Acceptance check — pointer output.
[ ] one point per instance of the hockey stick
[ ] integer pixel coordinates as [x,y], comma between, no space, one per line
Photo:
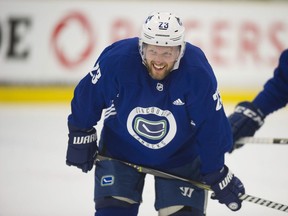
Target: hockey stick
[262,140]
[158,173]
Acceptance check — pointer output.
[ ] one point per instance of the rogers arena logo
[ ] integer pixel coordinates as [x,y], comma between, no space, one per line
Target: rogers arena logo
[151,126]
[63,50]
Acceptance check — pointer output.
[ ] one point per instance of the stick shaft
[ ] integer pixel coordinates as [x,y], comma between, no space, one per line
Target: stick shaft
[264,202]
[262,140]
[158,173]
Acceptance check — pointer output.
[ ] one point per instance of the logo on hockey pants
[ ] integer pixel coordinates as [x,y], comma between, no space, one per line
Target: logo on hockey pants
[107,180]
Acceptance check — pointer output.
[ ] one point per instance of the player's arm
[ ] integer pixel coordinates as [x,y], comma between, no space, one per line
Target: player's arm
[214,138]
[217,139]
[82,142]
[248,117]
[275,92]
[91,96]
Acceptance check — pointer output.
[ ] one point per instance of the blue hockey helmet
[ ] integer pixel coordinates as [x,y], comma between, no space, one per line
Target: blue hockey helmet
[163,29]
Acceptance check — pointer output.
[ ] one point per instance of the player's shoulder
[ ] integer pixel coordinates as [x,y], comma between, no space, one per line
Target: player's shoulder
[193,51]
[195,62]
[120,54]
[283,66]
[284,56]
[122,47]
[195,71]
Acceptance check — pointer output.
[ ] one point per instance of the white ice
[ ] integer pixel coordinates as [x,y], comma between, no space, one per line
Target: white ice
[34,180]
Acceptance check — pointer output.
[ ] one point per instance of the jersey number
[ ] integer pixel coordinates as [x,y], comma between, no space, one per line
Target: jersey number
[217,98]
[95,76]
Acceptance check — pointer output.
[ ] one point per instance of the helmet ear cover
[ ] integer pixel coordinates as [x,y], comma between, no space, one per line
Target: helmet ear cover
[162,29]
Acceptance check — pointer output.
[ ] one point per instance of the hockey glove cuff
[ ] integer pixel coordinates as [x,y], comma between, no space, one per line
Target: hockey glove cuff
[227,188]
[82,149]
[245,121]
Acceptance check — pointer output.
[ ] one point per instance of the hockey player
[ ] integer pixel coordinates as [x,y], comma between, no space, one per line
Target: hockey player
[162,110]
[248,117]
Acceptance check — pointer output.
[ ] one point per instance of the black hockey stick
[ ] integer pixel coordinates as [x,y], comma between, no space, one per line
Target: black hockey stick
[158,173]
[262,140]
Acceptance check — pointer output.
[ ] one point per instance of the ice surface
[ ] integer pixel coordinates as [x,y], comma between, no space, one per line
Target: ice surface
[34,180]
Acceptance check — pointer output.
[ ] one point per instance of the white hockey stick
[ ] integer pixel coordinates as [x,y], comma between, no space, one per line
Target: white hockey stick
[158,173]
[262,140]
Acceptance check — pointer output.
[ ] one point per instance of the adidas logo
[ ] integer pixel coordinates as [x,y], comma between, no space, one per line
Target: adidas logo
[178,102]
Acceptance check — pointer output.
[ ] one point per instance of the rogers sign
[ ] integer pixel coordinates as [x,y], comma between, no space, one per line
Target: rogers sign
[74,39]
[245,41]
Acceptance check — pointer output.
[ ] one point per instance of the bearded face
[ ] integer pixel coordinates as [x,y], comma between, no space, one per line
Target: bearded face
[160,60]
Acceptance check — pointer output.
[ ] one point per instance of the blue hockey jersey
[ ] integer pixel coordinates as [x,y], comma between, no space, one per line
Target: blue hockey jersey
[159,124]
[275,93]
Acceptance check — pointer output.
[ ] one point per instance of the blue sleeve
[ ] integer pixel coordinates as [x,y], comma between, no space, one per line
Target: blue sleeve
[93,94]
[214,136]
[275,92]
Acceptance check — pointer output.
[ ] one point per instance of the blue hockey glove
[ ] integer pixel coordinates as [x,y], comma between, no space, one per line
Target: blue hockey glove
[245,121]
[82,148]
[226,187]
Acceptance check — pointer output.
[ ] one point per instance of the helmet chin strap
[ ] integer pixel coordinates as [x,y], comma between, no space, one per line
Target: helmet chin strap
[182,50]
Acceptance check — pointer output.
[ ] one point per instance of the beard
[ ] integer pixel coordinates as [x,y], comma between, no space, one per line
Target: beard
[158,73]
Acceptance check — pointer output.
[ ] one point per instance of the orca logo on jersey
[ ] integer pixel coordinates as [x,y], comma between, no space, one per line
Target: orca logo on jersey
[152,130]
[152,126]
